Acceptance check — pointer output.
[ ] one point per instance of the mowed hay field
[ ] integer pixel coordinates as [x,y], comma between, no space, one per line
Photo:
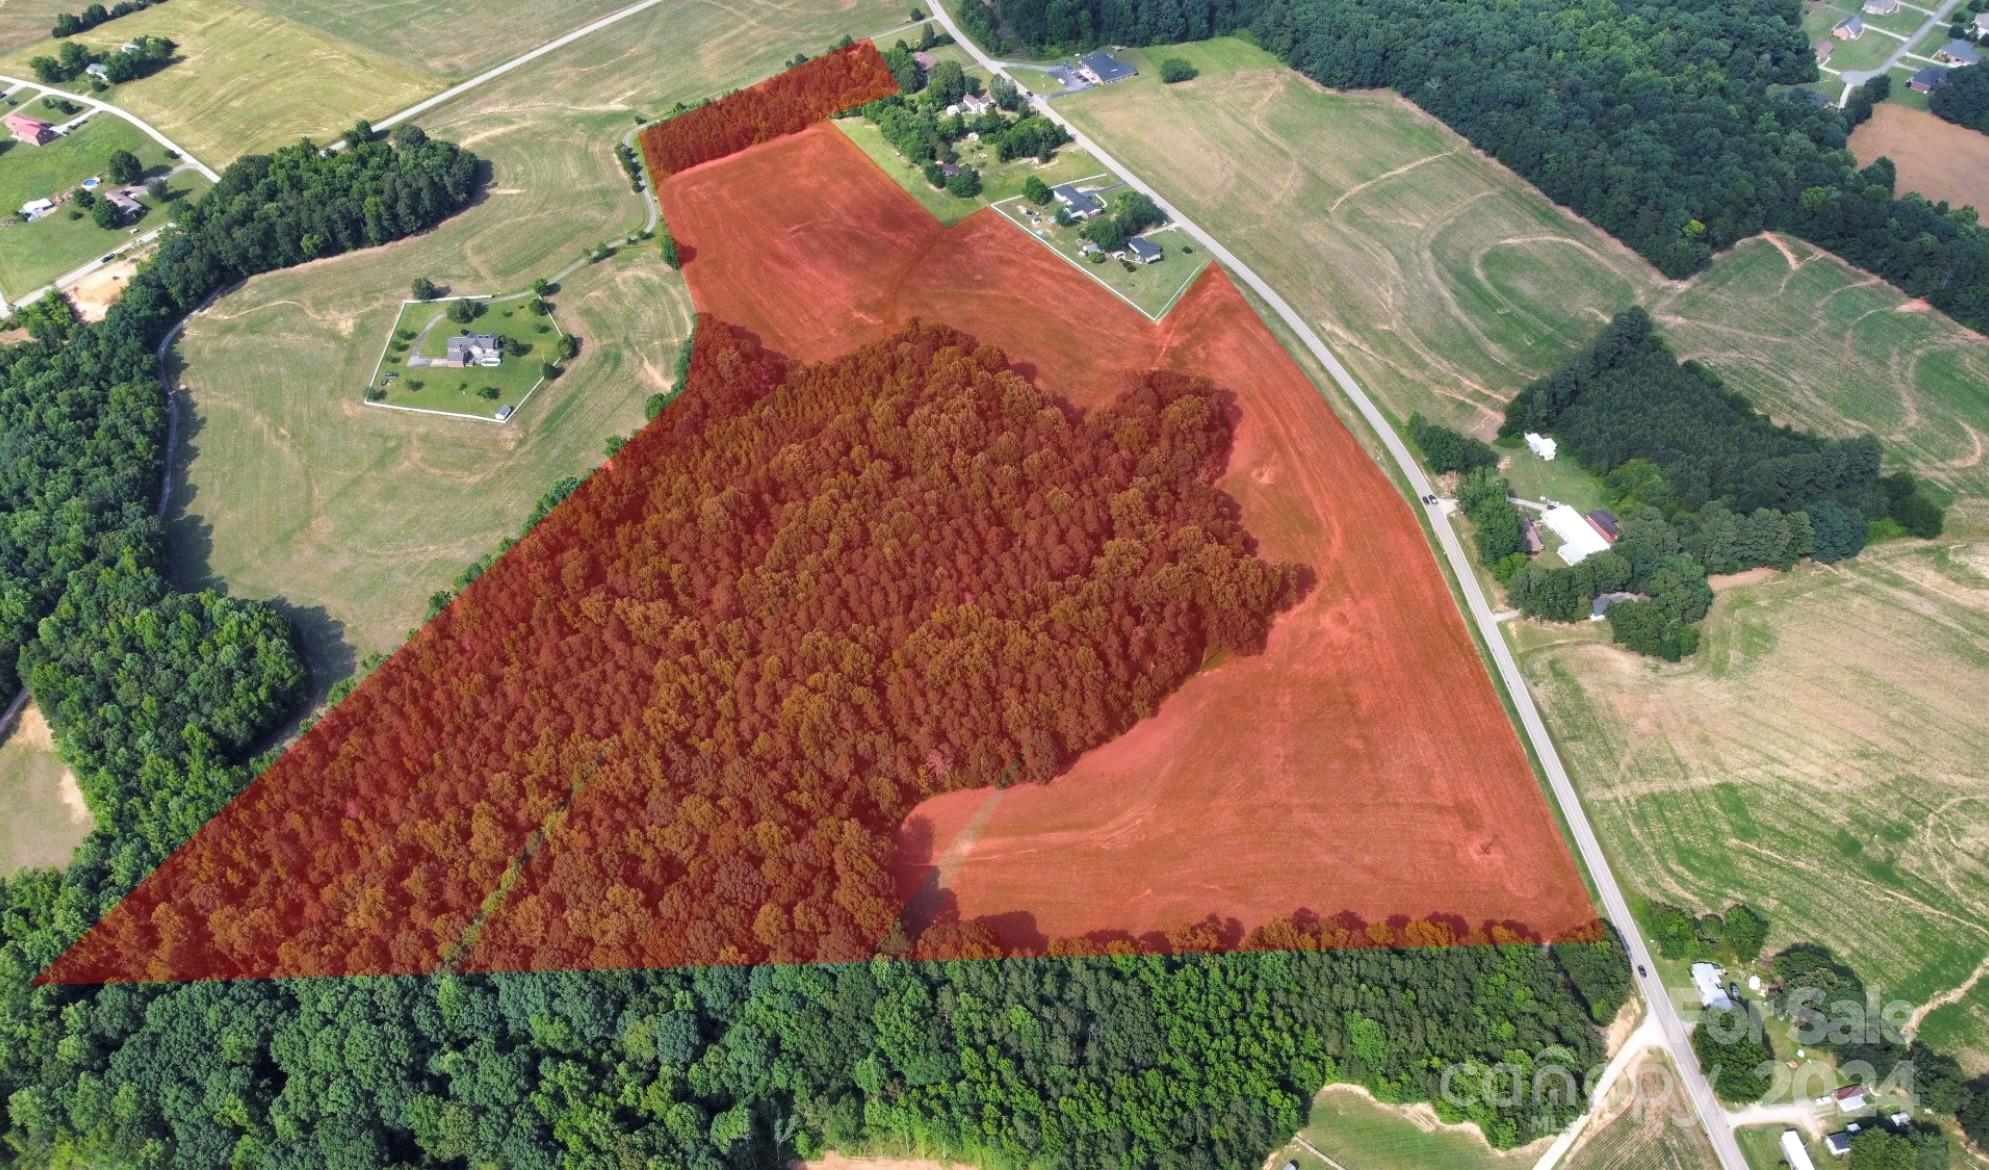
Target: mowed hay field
[1821,345]
[451,38]
[244,80]
[1646,1123]
[1822,757]
[1938,159]
[1443,281]
[1359,1133]
[1377,197]
[26,22]
[287,489]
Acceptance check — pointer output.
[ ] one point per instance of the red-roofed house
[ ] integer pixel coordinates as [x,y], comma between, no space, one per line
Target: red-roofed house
[32,131]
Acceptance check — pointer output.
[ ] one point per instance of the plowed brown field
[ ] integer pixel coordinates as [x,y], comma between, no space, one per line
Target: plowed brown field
[1362,764]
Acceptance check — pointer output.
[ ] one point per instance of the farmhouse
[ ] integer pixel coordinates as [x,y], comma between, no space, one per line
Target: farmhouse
[1707,978]
[32,131]
[1850,1098]
[1579,539]
[1881,7]
[1144,251]
[1081,204]
[1102,68]
[1928,80]
[976,103]
[1605,523]
[128,208]
[1793,1152]
[1541,445]
[1958,52]
[474,349]
[1849,29]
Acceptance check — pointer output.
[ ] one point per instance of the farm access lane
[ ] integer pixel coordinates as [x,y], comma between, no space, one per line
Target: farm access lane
[1712,1116]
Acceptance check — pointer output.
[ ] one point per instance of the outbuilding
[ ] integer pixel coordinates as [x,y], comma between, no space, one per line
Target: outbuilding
[1541,445]
[1579,539]
[1793,1152]
[1605,523]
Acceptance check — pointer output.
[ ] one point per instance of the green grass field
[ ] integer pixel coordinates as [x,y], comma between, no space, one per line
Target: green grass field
[999,180]
[1441,279]
[349,517]
[1820,758]
[1152,288]
[32,254]
[422,331]
[44,819]
[1562,480]
[1360,1134]
[245,80]
[451,38]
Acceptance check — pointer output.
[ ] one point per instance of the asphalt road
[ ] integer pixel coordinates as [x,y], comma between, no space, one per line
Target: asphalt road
[1712,1116]
[1861,76]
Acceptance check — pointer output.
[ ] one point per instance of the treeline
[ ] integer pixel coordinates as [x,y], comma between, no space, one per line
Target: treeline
[1661,121]
[80,405]
[1964,99]
[786,103]
[1701,482]
[69,24]
[147,55]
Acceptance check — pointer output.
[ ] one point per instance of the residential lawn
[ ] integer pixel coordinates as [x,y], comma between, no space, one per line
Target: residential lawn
[1867,51]
[39,827]
[289,488]
[1534,478]
[423,330]
[247,80]
[1360,1134]
[1151,288]
[1903,93]
[1935,38]
[999,180]
[32,254]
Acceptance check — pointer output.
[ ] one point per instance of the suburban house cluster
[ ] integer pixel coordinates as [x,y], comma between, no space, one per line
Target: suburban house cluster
[1958,51]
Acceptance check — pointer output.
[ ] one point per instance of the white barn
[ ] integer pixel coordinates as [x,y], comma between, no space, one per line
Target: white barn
[1579,539]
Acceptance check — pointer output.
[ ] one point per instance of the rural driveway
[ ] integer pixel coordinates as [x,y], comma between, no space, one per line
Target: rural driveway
[1711,1115]
[150,131]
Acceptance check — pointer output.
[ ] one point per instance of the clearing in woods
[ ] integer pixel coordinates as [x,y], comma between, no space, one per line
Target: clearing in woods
[289,489]
[1393,235]
[1360,1133]
[245,80]
[45,815]
[1938,159]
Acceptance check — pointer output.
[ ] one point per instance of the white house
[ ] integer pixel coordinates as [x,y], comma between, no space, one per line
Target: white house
[1579,539]
[1541,445]
[1793,1152]
[1982,24]
[1709,979]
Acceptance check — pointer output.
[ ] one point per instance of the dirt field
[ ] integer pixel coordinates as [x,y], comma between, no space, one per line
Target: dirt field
[835,1161]
[1646,1124]
[45,817]
[1940,160]
[1370,707]
[94,294]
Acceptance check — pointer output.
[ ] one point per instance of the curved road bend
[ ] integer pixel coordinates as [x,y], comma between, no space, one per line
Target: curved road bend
[1711,1114]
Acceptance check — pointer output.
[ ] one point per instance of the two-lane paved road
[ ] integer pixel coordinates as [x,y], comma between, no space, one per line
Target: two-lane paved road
[1711,1115]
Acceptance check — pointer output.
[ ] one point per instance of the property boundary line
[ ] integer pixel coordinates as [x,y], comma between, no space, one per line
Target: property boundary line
[381,362]
[996,207]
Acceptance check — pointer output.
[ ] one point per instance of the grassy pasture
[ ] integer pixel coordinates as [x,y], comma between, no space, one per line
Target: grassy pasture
[45,820]
[450,38]
[1359,1133]
[26,22]
[1821,757]
[1636,1127]
[1444,281]
[290,489]
[245,80]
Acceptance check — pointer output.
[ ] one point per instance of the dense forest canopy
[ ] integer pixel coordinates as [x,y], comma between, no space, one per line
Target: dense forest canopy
[1664,122]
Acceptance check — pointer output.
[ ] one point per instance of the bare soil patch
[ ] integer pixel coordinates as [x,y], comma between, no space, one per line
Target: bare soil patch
[1938,159]
[95,293]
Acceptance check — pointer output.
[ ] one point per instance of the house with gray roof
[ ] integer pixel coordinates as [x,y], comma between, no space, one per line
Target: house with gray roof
[474,349]
[1958,52]
[1080,204]
[1102,68]
[1928,80]
[1144,250]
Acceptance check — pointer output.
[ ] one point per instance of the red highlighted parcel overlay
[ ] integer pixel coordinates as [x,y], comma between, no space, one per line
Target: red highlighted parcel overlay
[953,610]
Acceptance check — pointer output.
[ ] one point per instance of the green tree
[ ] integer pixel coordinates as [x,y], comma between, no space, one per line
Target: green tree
[124,167]
[1733,1053]
[424,289]
[105,214]
[668,244]
[964,185]
[1177,69]
[1036,191]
